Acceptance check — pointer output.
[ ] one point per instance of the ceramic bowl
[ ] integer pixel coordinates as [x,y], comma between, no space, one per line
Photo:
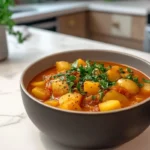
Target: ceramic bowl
[86,129]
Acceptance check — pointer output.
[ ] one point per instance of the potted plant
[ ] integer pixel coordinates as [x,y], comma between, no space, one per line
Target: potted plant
[6,22]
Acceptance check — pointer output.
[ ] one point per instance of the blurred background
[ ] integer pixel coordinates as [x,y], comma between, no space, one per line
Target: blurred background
[120,22]
[42,1]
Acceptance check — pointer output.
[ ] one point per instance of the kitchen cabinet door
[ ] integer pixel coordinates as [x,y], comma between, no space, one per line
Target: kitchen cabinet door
[73,24]
[121,25]
[99,22]
[138,27]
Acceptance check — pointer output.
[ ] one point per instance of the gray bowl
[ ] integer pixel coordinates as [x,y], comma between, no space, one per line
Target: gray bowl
[85,129]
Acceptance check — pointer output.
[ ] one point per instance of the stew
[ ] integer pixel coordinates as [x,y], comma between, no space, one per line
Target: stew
[90,86]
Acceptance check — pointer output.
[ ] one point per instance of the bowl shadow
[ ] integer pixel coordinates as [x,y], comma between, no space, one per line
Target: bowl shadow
[51,144]
[138,143]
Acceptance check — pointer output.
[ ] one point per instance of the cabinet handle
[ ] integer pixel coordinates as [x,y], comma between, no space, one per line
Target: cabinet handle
[116,25]
[71,22]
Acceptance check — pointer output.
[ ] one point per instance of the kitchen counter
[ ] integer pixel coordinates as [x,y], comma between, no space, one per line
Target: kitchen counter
[21,134]
[41,11]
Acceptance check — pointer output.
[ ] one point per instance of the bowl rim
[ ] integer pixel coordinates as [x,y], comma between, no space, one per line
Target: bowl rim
[80,112]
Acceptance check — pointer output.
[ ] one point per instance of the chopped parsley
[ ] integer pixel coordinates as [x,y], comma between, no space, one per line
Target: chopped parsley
[59,75]
[70,81]
[75,64]
[146,80]
[93,97]
[121,70]
[101,94]
[95,72]
[104,84]
[80,89]
[130,76]
[129,70]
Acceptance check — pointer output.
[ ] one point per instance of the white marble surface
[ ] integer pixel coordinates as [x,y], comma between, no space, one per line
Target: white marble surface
[23,135]
[61,8]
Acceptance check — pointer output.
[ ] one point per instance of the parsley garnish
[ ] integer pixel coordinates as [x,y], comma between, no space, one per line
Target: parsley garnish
[129,70]
[130,76]
[95,72]
[101,94]
[70,81]
[104,84]
[93,97]
[75,64]
[121,70]
[79,88]
[146,80]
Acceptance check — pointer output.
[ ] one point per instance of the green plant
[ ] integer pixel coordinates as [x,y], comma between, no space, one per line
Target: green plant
[6,19]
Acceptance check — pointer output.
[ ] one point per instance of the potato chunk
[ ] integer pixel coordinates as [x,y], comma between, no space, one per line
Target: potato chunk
[59,88]
[38,84]
[146,88]
[112,94]
[70,101]
[113,75]
[54,103]
[40,93]
[91,88]
[81,62]
[109,105]
[116,68]
[62,66]
[70,105]
[129,85]
[76,97]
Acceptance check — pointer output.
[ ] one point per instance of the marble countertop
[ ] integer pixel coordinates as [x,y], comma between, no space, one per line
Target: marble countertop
[21,134]
[46,10]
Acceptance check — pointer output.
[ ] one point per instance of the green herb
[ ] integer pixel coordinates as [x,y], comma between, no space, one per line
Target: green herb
[79,87]
[87,73]
[93,97]
[146,80]
[59,75]
[70,86]
[88,63]
[5,19]
[121,70]
[104,76]
[70,81]
[129,70]
[140,85]
[101,94]
[112,83]
[100,67]
[129,76]
[75,64]
[104,84]
[71,78]
[87,77]
[135,79]
[109,67]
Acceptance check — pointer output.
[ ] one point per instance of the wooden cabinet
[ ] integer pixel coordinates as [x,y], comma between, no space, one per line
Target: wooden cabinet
[121,25]
[130,43]
[73,24]
[138,27]
[99,22]
[119,29]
